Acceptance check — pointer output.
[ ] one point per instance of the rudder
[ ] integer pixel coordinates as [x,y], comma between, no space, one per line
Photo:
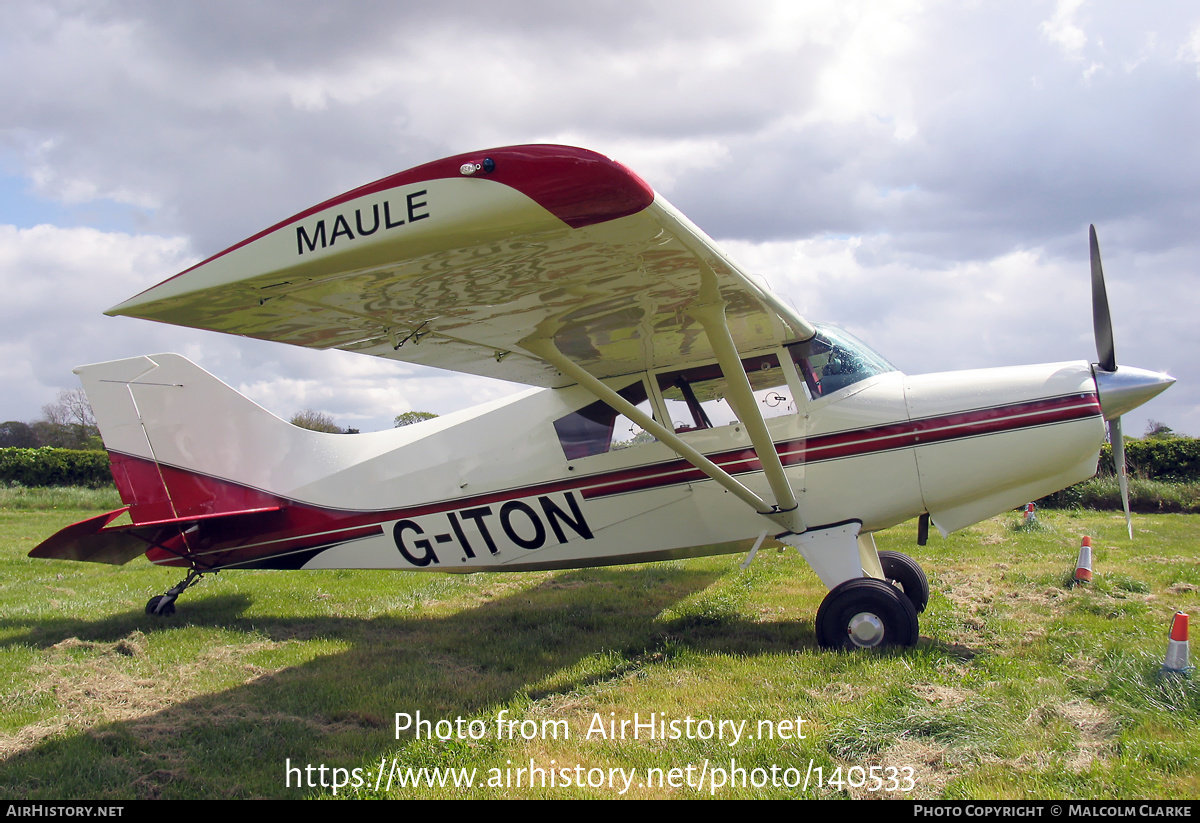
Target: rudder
[182,443]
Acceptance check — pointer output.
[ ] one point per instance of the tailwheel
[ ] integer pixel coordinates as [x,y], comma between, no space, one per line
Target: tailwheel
[163,605]
[158,607]
[865,613]
[903,572]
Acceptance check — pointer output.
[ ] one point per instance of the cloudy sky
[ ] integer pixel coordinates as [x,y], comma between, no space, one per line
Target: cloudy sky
[920,173]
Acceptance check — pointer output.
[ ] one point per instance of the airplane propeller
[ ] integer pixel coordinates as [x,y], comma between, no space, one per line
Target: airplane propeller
[1106,361]
[1101,319]
[1120,390]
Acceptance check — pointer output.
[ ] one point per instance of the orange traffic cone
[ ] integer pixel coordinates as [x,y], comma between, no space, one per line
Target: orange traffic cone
[1083,566]
[1176,661]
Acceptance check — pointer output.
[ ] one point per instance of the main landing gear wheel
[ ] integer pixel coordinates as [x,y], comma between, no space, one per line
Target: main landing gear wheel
[865,613]
[902,571]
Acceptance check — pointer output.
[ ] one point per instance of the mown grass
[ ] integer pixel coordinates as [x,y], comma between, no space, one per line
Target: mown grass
[1021,686]
[14,496]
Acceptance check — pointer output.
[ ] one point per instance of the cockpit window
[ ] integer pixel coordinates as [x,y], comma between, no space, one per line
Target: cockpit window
[835,359]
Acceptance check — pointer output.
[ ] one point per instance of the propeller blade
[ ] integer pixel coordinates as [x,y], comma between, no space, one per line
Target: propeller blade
[1118,451]
[1101,319]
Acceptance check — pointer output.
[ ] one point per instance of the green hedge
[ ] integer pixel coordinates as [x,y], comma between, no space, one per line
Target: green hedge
[55,467]
[1164,476]
[1172,459]
[1145,496]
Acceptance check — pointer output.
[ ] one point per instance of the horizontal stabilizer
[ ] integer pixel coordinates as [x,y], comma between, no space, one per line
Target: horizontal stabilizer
[90,540]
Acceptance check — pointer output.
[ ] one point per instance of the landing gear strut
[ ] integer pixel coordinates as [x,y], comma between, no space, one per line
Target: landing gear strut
[865,613]
[163,605]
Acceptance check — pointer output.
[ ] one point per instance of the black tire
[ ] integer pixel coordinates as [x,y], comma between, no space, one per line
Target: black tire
[866,613]
[152,607]
[903,572]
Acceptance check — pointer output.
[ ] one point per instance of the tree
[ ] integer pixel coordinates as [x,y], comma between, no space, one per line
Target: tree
[316,421]
[410,417]
[68,422]
[638,439]
[15,434]
[1156,430]
[79,410]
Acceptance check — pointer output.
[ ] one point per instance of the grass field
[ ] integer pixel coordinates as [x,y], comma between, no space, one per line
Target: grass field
[1021,686]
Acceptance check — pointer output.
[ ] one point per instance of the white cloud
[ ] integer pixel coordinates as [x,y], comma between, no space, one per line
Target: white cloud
[57,284]
[1061,29]
[1190,50]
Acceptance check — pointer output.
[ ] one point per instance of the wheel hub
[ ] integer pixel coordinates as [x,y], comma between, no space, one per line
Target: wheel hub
[865,630]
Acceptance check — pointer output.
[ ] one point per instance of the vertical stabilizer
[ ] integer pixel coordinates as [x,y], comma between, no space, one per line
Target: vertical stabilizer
[182,443]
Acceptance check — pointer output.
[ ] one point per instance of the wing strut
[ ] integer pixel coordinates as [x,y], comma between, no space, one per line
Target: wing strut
[712,318]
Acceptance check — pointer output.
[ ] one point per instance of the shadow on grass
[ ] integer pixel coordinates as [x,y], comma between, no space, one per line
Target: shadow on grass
[573,630]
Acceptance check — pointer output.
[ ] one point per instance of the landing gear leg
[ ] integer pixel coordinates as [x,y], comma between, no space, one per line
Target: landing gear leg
[163,605]
[865,613]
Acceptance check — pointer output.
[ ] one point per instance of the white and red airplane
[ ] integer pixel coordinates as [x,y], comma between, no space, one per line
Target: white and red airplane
[680,407]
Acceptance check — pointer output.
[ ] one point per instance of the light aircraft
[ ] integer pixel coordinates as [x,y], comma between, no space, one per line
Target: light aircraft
[680,407]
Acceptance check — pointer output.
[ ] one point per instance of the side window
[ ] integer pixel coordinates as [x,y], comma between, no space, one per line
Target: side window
[598,428]
[771,390]
[697,398]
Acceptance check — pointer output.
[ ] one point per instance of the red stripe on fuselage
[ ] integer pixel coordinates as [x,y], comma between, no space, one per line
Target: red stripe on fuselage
[300,526]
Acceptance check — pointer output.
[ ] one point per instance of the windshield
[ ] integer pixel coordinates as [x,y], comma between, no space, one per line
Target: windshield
[835,359]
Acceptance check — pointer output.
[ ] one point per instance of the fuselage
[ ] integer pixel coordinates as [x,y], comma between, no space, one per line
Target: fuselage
[514,484]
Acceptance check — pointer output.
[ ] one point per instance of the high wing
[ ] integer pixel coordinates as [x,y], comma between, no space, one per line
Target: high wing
[453,264]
